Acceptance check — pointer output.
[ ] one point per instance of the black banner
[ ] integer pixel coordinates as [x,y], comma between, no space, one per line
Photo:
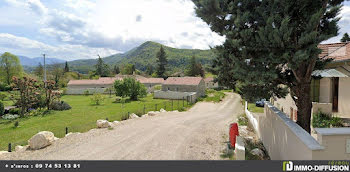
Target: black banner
[174,166]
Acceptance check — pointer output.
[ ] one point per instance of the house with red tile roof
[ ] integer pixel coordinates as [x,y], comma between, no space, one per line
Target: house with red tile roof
[209,83]
[100,85]
[189,88]
[330,89]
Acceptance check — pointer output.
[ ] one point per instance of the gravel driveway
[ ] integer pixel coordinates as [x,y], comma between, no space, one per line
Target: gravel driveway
[198,134]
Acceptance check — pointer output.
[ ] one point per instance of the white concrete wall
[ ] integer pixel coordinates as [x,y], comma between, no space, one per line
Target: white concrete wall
[285,140]
[173,95]
[77,91]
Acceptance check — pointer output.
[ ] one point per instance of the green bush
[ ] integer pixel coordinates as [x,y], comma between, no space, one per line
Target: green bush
[130,87]
[97,98]
[16,124]
[2,96]
[243,120]
[322,120]
[2,109]
[60,106]
[14,111]
[86,92]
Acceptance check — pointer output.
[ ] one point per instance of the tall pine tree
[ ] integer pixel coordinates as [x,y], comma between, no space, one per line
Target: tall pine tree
[66,67]
[271,43]
[194,68]
[102,69]
[162,62]
[116,69]
[345,38]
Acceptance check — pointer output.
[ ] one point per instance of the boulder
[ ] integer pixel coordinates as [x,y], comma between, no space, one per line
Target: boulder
[162,110]
[145,115]
[257,152]
[3,152]
[116,122]
[41,140]
[152,113]
[243,130]
[133,116]
[21,148]
[175,111]
[103,124]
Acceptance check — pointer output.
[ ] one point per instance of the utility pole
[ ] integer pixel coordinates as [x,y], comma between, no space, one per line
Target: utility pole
[44,69]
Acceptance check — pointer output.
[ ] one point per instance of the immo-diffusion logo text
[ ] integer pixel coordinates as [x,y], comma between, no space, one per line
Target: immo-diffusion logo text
[289,166]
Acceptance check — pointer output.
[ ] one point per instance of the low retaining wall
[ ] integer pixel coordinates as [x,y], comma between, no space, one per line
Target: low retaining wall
[285,140]
[173,95]
[75,91]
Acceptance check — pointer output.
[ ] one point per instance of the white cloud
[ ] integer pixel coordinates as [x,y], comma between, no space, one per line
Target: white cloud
[28,47]
[37,7]
[343,25]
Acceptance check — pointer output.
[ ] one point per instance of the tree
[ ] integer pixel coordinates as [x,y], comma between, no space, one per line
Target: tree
[149,70]
[128,69]
[28,90]
[66,67]
[162,62]
[129,87]
[39,70]
[345,38]
[9,66]
[51,93]
[57,73]
[102,69]
[116,70]
[194,68]
[271,46]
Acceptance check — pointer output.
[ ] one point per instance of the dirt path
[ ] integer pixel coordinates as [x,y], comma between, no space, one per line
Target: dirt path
[194,135]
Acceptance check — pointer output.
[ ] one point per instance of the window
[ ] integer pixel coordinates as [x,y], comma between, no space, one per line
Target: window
[168,89]
[315,90]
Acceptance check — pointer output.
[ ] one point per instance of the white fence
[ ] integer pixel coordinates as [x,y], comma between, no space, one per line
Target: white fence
[285,140]
[173,95]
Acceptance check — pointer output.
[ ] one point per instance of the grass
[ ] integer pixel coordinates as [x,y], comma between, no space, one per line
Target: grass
[214,96]
[254,109]
[81,118]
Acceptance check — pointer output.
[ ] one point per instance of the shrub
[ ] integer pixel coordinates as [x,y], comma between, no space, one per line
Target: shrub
[118,100]
[14,111]
[97,98]
[16,124]
[243,120]
[5,87]
[129,87]
[322,120]
[336,122]
[86,92]
[10,117]
[2,96]
[60,106]
[2,109]
[38,112]
[157,87]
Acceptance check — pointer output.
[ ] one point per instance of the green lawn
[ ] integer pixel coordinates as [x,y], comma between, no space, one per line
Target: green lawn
[214,96]
[254,109]
[81,118]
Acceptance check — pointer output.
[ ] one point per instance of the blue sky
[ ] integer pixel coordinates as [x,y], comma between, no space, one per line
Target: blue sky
[76,29]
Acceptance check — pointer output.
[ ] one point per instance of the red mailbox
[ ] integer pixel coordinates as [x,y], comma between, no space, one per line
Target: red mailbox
[233,133]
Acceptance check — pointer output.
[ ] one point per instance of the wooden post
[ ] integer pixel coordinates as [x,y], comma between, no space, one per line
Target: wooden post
[9,148]
[144,109]
[66,130]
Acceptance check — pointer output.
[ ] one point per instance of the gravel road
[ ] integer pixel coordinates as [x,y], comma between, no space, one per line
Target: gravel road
[198,134]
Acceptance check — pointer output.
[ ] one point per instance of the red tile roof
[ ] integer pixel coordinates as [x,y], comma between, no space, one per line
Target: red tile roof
[337,51]
[183,81]
[100,81]
[151,80]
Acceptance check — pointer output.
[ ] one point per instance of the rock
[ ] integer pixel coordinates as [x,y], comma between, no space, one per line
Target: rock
[116,122]
[152,113]
[162,110]
[3,152]
[103,124]
[257,152]
[55,138]
[21,148]
[243,130]
[41,140]
[175,111]
[145,115]
[133,116]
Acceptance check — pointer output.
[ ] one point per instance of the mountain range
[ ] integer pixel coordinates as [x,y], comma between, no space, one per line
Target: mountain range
[141,57]
[32,62]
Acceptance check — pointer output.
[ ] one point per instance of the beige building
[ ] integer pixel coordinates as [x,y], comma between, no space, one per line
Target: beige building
[209,83]
[330,87]
[185,84]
